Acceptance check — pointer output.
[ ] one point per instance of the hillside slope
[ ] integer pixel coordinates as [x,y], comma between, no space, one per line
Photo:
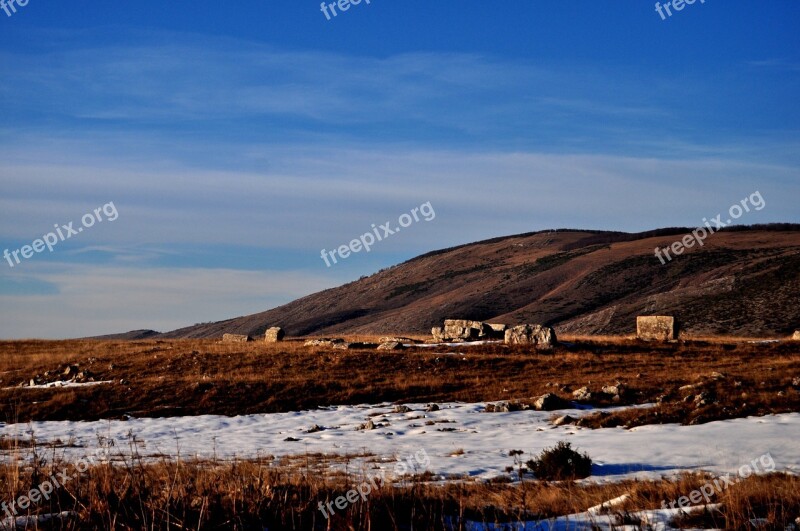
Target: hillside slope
[741,282]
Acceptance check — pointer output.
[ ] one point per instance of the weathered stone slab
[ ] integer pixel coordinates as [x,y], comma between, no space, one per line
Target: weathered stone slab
[391,345]
[465,330]
[655,327]
[325,342]
[274,334]
[235,338]
[542,337]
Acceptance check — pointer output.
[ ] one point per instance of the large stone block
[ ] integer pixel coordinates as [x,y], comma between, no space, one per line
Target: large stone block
[542,337]
[465,330]
[655,327]
[274,334]
[235,338]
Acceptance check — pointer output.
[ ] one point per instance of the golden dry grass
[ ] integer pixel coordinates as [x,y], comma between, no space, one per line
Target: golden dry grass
[285,494]
[203,376]
[189,377]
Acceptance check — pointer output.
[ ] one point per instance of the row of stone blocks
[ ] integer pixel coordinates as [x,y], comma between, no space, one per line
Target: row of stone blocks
[665,328]
[458,330]
[648,328]
[272,335]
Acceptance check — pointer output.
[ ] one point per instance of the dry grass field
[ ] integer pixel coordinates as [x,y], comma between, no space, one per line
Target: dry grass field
[190,377]
[159,378]
[285,494]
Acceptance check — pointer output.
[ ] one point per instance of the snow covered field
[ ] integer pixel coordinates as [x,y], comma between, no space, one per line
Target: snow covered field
[485,439]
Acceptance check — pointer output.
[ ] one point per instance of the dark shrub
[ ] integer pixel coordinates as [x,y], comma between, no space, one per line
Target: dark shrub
[561,462]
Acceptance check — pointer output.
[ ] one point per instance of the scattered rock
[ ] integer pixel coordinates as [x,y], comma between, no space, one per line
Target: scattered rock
[369,425]
[582,394]
[796,381]
[703,399]
[432,407]
[550,402]
[323,342]
[315,428]
[566,419]
[391,345]
[796,335]
[354,346]
[274,334]
[235,338]
[505,407]
[397,340]
[613,390]
[401,409]
[655,327]
[291,439]
[542,337]
[83,375]
[717,376]
[71,370]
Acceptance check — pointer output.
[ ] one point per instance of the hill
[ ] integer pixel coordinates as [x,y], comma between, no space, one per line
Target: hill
[742,281]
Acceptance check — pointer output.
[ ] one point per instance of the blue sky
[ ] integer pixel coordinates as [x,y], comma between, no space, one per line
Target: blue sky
[237,142]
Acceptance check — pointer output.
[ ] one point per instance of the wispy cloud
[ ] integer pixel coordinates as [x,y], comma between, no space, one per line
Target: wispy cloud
[214,147]
[93,300]
[777,64]
[197,83]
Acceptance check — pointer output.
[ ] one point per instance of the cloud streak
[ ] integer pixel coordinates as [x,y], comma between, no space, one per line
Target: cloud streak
[233,163]
[94,300]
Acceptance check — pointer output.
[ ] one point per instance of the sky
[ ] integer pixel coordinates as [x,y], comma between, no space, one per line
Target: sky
[206,153]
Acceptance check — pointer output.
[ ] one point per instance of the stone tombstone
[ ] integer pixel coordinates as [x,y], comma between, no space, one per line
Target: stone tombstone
[655,327]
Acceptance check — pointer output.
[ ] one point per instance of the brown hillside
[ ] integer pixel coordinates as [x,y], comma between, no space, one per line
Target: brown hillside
[741,282]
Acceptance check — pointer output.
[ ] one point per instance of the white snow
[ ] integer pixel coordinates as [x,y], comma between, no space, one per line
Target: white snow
[60,384]
[485,438]
[657,520]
